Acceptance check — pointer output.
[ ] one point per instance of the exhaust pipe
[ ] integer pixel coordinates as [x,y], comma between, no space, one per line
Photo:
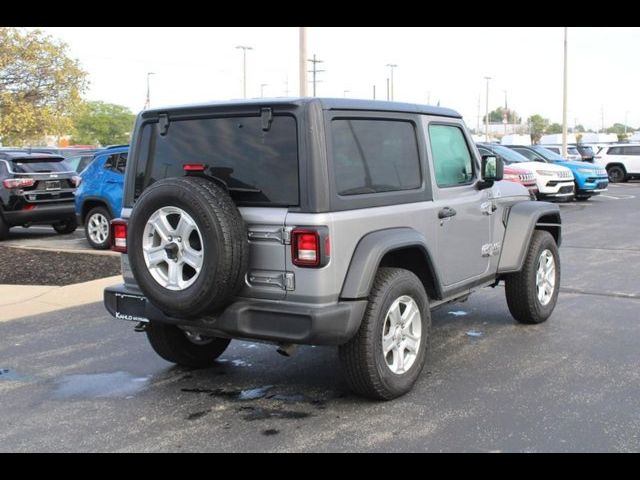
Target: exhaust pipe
[286,349]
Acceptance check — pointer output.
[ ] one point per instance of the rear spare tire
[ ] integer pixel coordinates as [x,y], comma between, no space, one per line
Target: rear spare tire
[187,246]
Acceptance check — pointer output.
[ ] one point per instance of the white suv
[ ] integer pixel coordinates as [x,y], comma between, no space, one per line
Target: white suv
[572,152]
[622,161]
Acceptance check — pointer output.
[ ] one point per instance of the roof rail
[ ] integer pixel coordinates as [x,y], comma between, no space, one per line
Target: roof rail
[115,146]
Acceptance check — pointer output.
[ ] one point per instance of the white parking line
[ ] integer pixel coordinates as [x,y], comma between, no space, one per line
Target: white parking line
[618,197]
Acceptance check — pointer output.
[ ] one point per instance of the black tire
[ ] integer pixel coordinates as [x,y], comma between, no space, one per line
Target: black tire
[363,363]
[97,211]
[520,287]
[4,229]
[66,226]
[173,344]
[616,174]
[224,244]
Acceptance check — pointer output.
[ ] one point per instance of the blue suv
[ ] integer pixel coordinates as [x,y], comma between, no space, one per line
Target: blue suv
[589,179]
[99,197]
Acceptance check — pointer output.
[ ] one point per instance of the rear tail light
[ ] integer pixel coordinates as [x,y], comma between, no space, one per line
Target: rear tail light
[310,247]
[119,235]
[18,182]
[76,181]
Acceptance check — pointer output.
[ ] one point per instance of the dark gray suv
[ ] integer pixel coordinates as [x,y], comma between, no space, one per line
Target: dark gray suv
[321,221]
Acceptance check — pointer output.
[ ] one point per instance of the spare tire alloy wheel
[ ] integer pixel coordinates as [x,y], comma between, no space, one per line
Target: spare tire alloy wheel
[401,334]
[172,248]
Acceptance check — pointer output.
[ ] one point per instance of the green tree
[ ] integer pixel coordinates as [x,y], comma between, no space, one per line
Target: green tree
[40,86]
[537,126]
[579,129]
[618,129]
[554,128]
[497,115]
[103,124]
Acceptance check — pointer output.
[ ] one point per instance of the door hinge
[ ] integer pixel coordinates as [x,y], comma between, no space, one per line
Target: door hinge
[283,280]
[282,235]
[266,116]
[163,124]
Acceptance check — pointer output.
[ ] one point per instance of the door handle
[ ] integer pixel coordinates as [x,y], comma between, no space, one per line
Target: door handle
[446,212]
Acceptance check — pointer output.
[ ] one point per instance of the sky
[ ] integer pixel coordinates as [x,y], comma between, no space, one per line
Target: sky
[443,64]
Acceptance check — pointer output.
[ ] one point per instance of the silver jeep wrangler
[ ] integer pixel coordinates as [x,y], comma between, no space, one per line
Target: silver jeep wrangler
[321,221]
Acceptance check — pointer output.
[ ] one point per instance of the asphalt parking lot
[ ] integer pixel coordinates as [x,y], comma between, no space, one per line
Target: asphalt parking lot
[77,380]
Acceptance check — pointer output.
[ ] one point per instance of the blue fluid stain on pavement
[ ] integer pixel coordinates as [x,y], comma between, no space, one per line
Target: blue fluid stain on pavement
[11,375]
[254,393]
[473,333]
[458,313]
[100,385]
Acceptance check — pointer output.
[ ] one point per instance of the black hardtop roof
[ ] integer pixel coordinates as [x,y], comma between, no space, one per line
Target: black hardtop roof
[325,103]
[25,155]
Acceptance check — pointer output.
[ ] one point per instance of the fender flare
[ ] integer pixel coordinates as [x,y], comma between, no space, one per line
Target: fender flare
[522,219]
[369,253]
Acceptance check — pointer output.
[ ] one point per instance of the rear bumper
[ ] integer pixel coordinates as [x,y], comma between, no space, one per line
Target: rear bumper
[282,322]
[41,213]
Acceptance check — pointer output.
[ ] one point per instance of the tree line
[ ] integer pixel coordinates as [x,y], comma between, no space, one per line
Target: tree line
[41,89]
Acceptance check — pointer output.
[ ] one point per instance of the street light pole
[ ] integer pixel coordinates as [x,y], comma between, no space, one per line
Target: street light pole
[147,103]
[486,119]
[244,49]
[626,114]
[564,99]
[303,61]
[391,67]
[505,118]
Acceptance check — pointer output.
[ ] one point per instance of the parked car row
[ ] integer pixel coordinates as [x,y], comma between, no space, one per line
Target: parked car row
[555,177]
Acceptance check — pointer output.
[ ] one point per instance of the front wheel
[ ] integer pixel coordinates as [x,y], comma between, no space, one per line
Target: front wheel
[183,347]
[384,358]
[616,174]
[533,291]
[66,226]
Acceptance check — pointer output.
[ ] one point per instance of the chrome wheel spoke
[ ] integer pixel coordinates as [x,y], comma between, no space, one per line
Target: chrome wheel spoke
[168,252]
[401,334]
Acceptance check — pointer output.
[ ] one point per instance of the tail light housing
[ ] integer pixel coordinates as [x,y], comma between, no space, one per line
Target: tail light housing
[310,247]
[119,235]
[18,182]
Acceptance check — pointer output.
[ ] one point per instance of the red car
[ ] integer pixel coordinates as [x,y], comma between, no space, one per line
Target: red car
[523,177]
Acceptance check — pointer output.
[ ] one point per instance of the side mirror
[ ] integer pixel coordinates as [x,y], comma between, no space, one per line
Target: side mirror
[492,168]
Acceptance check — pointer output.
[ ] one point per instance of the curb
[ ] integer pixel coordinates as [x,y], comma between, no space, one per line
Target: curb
[17,301]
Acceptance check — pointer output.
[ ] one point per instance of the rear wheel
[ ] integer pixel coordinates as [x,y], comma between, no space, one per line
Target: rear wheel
[66,226]
[616,174]
[385,357]
[533,291]
[96,228]
[183,347]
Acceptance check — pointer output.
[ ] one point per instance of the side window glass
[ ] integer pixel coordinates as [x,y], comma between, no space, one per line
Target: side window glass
[452,159]
[111,162]
[121,163]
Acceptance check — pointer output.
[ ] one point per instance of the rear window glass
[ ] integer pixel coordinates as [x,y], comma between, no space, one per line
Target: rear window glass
[372,156]
[39,165]
[257,166]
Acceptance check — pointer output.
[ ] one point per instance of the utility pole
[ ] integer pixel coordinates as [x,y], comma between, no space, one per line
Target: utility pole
[315,71]
[147,102]
[626,114]
[262,85]
[486,120]
[388,98]
[505,116]
[345,93]
[303,61]
[391,67]
[478,125]
[244,49]
[374,92]
[602,116]
[564,99]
